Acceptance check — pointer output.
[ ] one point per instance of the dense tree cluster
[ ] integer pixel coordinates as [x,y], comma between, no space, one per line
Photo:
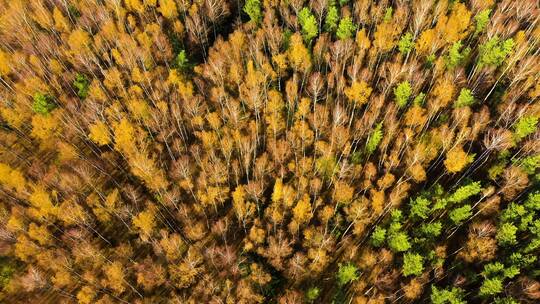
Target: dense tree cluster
[269,151]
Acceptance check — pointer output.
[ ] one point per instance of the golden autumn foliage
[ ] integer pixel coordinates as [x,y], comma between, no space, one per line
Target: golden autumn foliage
[174,151]
[456,160]
[99,133]
[145,221]
[302,210]
[298,54]
[358,93]
[11,178]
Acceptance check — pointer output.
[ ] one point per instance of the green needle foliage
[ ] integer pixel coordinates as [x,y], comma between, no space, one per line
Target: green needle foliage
[388,14]
[346,274]
[447,296]
[529,164]
[346,28]
[374,139]
[431,229]
[181,61]
[43,103]
[253,9]
[308,22]
[494,52]
[81,83]
[420,99]
[420,208]
[491,287]
[455,55]
[402,93]
[6,272]
[406,44]
[506,234]
[464,192]
[331,20]
[378,236]
[412,264]
[399,241]
[481,19]
[465,98]
[525,126]
[460,214]
[312,294]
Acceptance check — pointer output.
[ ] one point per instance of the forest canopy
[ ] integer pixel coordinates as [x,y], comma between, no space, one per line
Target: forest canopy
[269,151]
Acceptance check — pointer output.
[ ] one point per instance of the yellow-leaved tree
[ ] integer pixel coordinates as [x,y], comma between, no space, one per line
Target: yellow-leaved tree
[457,159]
[145,222]
[358,93]
[298,54]
[99,133]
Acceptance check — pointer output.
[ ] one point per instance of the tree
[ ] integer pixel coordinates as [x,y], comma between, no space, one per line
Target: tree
[457,24]
[412,264]
[114,277]
[455,56]
[385,36]
[494,52]
[388,14]
[346,274]
[124,137]
[43,103]
[86,295]
[79,42]
[312,294]
[464,192]
[506,234]
[406,44]
[374,139]
[156,151]
[135,5]
[150,274]
[302,210]
[450,296]
[465,99]
[420,207]
[346,28]
[402,93]
[253,9]
[343,193]
[145,222]
[5,67]
[456,160]
[491,286]
[181,61]
[308,23]
[331,19]
[82,84]
[525,126]
[168,9]
[41,200]
[99,133]
[7,270]
[298,54]
[242,207]
[482,19]
[398,241]
[425,44]
[460,214]
[378,236]
[431,230]
[362,40]
[529,164]
[358,93]
[11,178]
